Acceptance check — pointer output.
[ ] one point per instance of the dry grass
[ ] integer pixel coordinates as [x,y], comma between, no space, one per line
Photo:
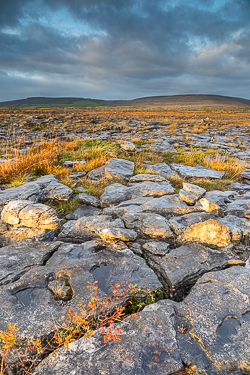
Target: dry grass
[38,160]
[207,184]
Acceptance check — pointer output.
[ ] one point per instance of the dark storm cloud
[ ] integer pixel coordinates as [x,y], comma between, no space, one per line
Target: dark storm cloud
[124,49]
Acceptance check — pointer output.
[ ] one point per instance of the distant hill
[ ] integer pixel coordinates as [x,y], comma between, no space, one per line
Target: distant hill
[174,101]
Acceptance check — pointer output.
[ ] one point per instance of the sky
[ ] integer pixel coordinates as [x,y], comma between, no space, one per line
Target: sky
[124,49]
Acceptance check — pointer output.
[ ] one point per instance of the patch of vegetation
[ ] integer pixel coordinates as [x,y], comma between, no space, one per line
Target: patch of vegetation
[64,207]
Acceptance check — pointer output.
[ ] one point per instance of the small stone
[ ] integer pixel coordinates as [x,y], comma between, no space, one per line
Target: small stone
[197,190]
[188,197]
[156,248]
[77,175]
[109,234]
[128,146]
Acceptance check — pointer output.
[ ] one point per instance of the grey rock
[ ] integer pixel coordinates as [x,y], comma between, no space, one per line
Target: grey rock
[148,346]
[119,169]
[188,197]
[183,266]
[70,163]
[151,225]
[197,190]
[147,177]
[238,186]
[215,201]
[32,191]
[122,210]
[28,302]
[89,199]
[15,234]
[162,169]
[203,228]
[239,207]
[202,172]
[155,248]
[168,206]
[83,210]
[77,175]
[31,215]
[149,188]
[245,174]
[107,228]
[239,228]
[218,309]
[97,174]
[180,223]
[114,194]
[74,234]
[116,234]
[18,258]
[163,146]
[53,189]
[129,146]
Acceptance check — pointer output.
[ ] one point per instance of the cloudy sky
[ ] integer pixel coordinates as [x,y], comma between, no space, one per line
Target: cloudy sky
[123,49]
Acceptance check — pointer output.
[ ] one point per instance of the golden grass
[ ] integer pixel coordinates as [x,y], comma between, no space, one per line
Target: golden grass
[38,160]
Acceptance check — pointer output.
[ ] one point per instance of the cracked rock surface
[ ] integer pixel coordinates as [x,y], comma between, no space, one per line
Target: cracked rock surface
[192,245]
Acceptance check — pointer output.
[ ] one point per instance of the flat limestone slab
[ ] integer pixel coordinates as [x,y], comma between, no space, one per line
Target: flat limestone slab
[202,172]
[219,313]
[183,266]
[27,300]
[148,346]
[119,169]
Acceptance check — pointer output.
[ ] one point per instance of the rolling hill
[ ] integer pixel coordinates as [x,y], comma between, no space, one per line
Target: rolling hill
[174,101]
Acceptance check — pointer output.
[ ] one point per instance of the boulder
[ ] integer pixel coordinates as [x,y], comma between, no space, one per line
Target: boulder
[107,228]
[30,191]
[206,228]
[31,215]
[239,228]
[73,233]
[239,207]
[82,211]
[14,234]
[97,174]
